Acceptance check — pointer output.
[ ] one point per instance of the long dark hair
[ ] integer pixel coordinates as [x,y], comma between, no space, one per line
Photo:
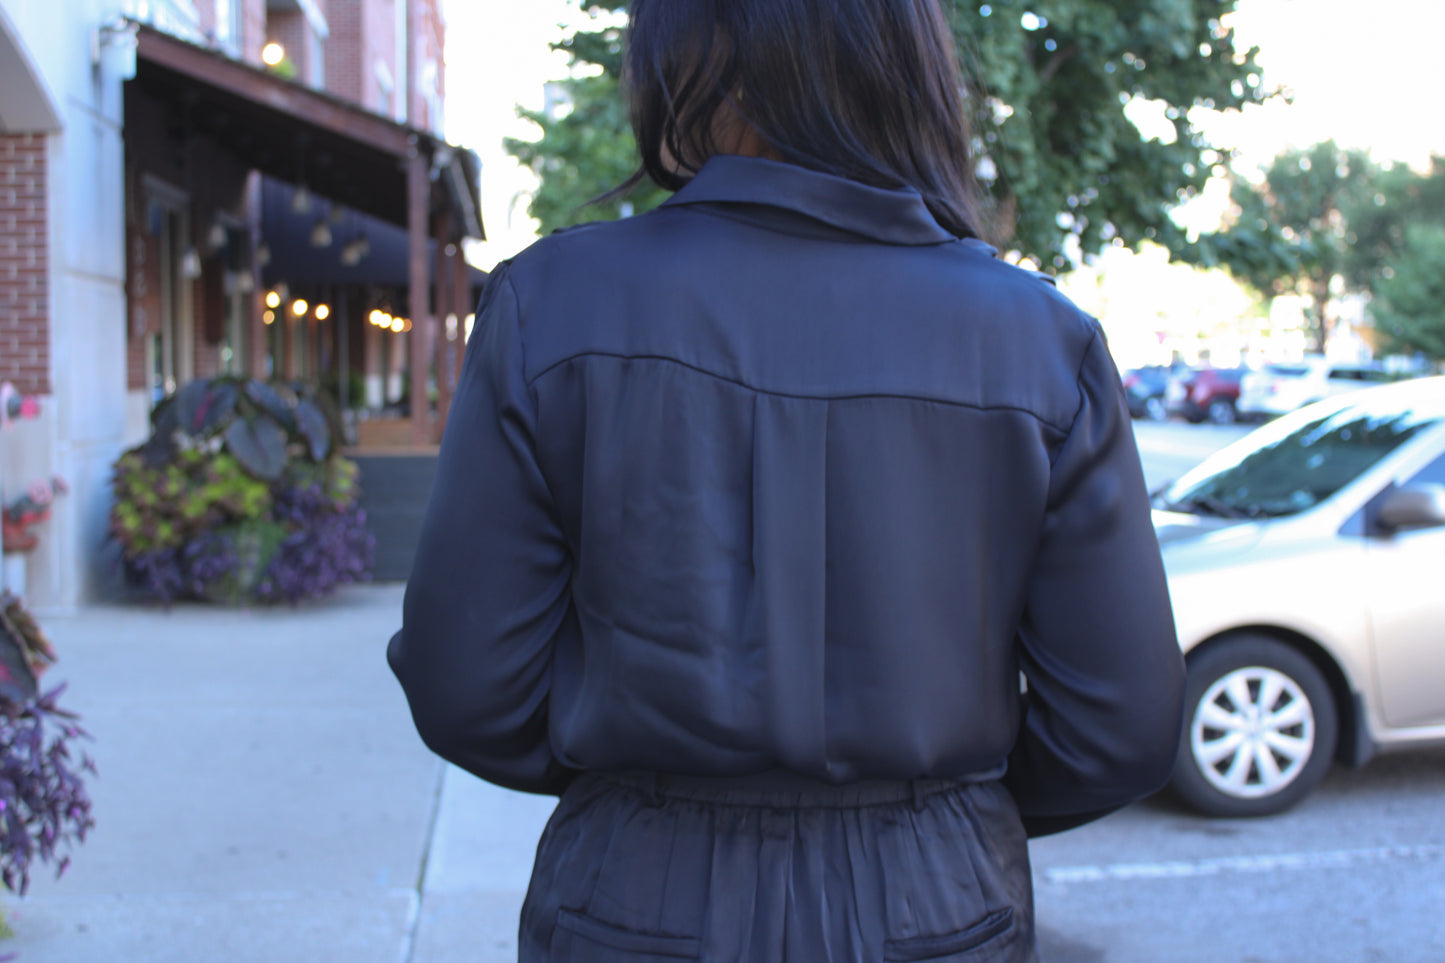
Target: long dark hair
[869,90]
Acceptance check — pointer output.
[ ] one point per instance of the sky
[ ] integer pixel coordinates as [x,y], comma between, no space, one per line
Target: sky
[1363,73]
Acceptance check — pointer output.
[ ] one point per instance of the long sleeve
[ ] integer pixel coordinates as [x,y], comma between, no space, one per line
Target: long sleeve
[1097,641]
[488,597]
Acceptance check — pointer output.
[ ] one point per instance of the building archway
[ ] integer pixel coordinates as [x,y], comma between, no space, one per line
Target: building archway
[24,104]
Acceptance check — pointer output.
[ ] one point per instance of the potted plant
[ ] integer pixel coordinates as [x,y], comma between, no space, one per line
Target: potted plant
[239,496]
[44,807]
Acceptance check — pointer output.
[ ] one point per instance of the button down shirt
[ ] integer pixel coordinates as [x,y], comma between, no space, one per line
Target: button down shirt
[784,475]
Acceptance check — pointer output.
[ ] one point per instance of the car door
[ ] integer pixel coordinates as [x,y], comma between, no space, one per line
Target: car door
[1407,616]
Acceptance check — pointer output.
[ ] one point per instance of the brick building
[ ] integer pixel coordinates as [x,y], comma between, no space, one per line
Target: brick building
[137,141]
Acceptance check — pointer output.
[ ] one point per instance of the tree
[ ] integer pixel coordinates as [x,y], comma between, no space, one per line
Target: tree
[1053,84]
[1289,232]
[586,148]
[1379,220]
[1407,306]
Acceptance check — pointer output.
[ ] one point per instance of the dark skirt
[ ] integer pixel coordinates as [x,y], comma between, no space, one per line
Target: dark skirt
[636,868]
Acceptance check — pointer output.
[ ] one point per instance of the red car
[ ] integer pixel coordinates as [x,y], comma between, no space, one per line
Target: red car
[1209,394]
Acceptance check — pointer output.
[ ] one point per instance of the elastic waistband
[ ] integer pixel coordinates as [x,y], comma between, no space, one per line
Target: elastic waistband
[781,788]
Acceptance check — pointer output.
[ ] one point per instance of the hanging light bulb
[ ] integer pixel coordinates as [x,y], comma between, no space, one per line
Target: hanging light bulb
[216,239]
[301,200]
[191,263]
[263,254]
[321,233]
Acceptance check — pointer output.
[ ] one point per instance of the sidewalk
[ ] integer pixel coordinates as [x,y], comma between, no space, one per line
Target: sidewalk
[263,797]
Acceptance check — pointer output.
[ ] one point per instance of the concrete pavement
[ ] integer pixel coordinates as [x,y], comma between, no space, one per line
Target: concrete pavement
[263,797]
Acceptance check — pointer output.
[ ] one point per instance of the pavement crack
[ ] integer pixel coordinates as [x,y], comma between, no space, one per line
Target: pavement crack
[419,887]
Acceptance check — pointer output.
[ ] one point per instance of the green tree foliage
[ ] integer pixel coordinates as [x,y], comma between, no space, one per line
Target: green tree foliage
[1379,220]
[1065,169]
[586,150]
[1409,305]
[1289,232]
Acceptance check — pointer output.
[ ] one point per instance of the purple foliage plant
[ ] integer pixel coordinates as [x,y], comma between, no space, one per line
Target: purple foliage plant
[44,807]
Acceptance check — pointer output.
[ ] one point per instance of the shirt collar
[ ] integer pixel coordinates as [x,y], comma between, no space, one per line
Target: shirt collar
[890,216]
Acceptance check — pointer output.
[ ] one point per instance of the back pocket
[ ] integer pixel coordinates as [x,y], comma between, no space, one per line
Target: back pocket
[987,940]
[578,938]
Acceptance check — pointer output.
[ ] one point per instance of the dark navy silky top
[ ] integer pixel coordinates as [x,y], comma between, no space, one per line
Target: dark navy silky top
[784,475]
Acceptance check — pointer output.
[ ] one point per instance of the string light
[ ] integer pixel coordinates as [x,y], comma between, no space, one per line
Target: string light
[273,300]
[322,312]
[269,317]
[299,307]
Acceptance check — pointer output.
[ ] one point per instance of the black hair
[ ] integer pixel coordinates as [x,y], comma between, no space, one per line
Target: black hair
[869,90]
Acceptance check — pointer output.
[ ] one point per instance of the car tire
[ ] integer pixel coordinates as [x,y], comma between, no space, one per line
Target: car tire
[1154,409]
[1260,727]
[1221,412]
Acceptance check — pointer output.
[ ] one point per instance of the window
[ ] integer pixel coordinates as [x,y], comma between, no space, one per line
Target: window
[1431,474]
[385,90]
[315,59]
[228,25]
[1300,460]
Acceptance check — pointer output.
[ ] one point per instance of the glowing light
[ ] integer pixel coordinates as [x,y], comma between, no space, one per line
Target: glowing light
[398,325]
[299,307]
[269,317]
[273,300]
[322,312]
[375,317]
[272,54]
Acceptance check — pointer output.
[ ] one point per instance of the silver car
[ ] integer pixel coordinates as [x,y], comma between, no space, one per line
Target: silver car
[1306,564]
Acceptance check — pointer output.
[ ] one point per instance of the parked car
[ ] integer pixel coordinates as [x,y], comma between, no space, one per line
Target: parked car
[1207,394]
[1277,389]
[1304,564]
[1144,388]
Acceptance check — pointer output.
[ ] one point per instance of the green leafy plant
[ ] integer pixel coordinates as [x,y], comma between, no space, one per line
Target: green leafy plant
[206,506]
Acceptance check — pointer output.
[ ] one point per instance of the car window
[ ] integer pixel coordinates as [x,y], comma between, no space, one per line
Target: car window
[1345,374]
[1431,474]
[1300,460]
[1287,371]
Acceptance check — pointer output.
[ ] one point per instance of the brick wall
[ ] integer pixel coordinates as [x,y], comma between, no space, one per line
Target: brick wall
[380,47]
[345,52]
[253,29]
[24,263]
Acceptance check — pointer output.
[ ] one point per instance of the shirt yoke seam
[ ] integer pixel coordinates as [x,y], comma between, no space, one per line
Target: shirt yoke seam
[796,395]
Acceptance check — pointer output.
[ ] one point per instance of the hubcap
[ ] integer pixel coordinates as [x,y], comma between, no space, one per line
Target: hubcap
[1252,732]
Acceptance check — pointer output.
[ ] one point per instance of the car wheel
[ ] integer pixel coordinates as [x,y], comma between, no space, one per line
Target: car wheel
[1259,730]
[1154,409]
[1221,411]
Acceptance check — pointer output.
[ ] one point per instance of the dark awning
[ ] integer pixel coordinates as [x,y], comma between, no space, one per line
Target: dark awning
[293,133]
[294,260]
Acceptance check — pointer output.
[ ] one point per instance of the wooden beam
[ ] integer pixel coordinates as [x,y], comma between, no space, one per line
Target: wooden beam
[462,297]
[419,346]
[249,83]
[257,342]
[442,298]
